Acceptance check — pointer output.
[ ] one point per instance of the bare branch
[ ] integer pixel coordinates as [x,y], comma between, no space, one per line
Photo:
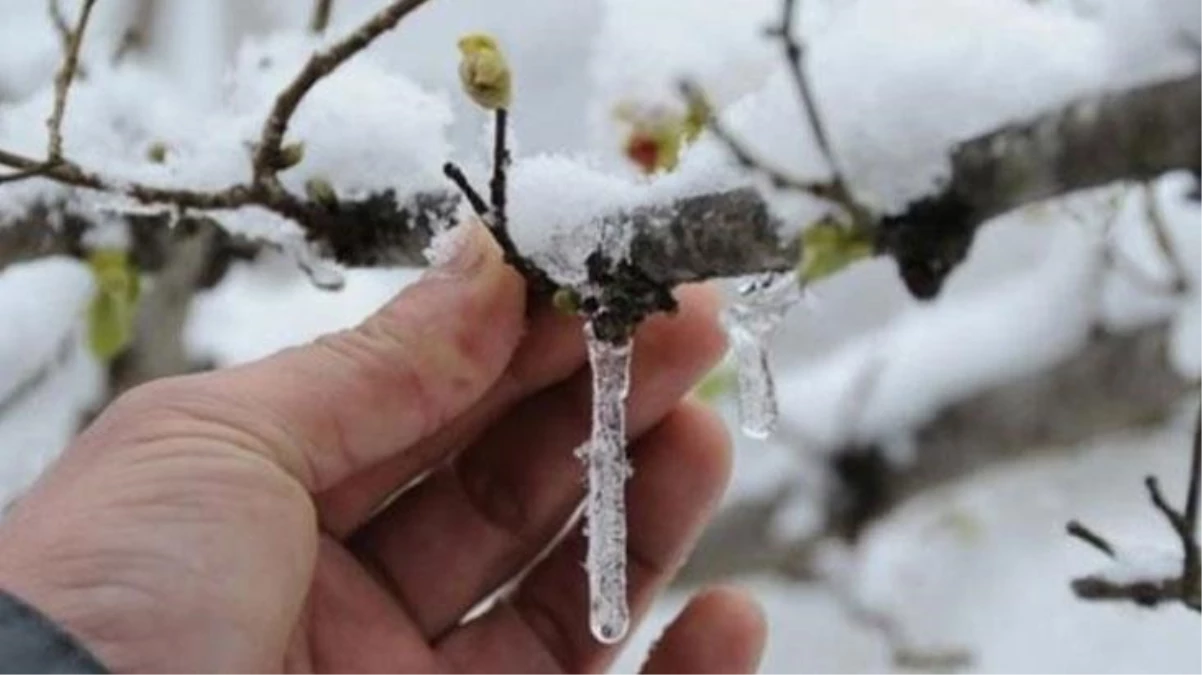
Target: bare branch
[318,67]
[779,178]
[456,176]
[59,21]
[794,55]
[1134,135]
[1150,593]
[1076,529]
[63,81]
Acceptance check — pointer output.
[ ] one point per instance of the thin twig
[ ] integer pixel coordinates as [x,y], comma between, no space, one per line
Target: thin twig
[320,65]
[1160,233]
[265,190]
[500,168]
[795,54]
[1076,529]
[779,178]
[59,20]
[1191,571]
[1185,587]
[62,83]
[320,20]
[794,59]
[135,36]
[1158,500]
[494,215]
[456,175]
[37,378]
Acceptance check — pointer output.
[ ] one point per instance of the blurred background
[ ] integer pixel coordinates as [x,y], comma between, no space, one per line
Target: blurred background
[909,514]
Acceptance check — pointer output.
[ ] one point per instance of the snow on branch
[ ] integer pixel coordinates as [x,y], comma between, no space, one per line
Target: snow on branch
[1127,136]
[1159,579]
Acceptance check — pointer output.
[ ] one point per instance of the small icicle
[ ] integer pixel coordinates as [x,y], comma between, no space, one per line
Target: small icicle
[322,274]
[605,507]
[751,321]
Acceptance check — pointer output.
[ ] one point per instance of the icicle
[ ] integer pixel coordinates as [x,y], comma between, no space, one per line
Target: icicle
[751,321]
[605,507]
[321,273]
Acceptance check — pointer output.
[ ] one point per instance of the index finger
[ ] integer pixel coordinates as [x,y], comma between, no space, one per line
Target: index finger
[327,409]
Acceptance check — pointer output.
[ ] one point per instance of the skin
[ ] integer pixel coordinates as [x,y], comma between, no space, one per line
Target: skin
[237,520]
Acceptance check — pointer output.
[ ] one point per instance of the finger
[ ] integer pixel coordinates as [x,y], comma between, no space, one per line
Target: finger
[550,352]
[345,606]
[719,631]
[325,410]
[681,469]
[485,517]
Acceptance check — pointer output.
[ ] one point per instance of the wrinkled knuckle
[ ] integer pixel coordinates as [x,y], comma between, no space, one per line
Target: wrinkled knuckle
[152,397]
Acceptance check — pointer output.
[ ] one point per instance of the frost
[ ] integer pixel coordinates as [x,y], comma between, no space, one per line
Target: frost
[561,211]
[446,244]
[605,507]
[751,321]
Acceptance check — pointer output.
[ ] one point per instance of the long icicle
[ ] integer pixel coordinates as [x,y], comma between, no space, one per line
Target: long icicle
[605,507]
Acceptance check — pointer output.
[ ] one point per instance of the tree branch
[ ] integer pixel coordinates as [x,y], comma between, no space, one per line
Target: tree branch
[1129,136]
[267,154]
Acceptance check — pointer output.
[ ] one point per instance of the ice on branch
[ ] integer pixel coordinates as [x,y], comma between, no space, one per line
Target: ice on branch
[605,506]
[322,273]
[751,321]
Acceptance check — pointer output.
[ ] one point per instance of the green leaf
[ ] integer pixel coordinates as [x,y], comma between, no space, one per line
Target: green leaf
[718,383]
[828,247]
[114,307]
[110,326]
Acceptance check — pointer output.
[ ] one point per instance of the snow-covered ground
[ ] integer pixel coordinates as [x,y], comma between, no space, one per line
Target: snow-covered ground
[981,566]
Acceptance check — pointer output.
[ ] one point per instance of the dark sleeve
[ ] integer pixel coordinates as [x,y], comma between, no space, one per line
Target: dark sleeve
[32,643]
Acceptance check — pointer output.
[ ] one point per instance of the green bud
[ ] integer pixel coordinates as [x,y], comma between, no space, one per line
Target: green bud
[290,155]
[566,301]
[319,191]
[157,152]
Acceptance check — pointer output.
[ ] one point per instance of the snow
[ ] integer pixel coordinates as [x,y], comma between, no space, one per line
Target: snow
[936,354]
[982,565]
[41,303]
[1150,564]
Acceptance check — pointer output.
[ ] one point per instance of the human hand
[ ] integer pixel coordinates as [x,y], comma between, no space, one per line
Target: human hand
[238,520]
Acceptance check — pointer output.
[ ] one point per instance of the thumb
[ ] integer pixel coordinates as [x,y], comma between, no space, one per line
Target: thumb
[349,400]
